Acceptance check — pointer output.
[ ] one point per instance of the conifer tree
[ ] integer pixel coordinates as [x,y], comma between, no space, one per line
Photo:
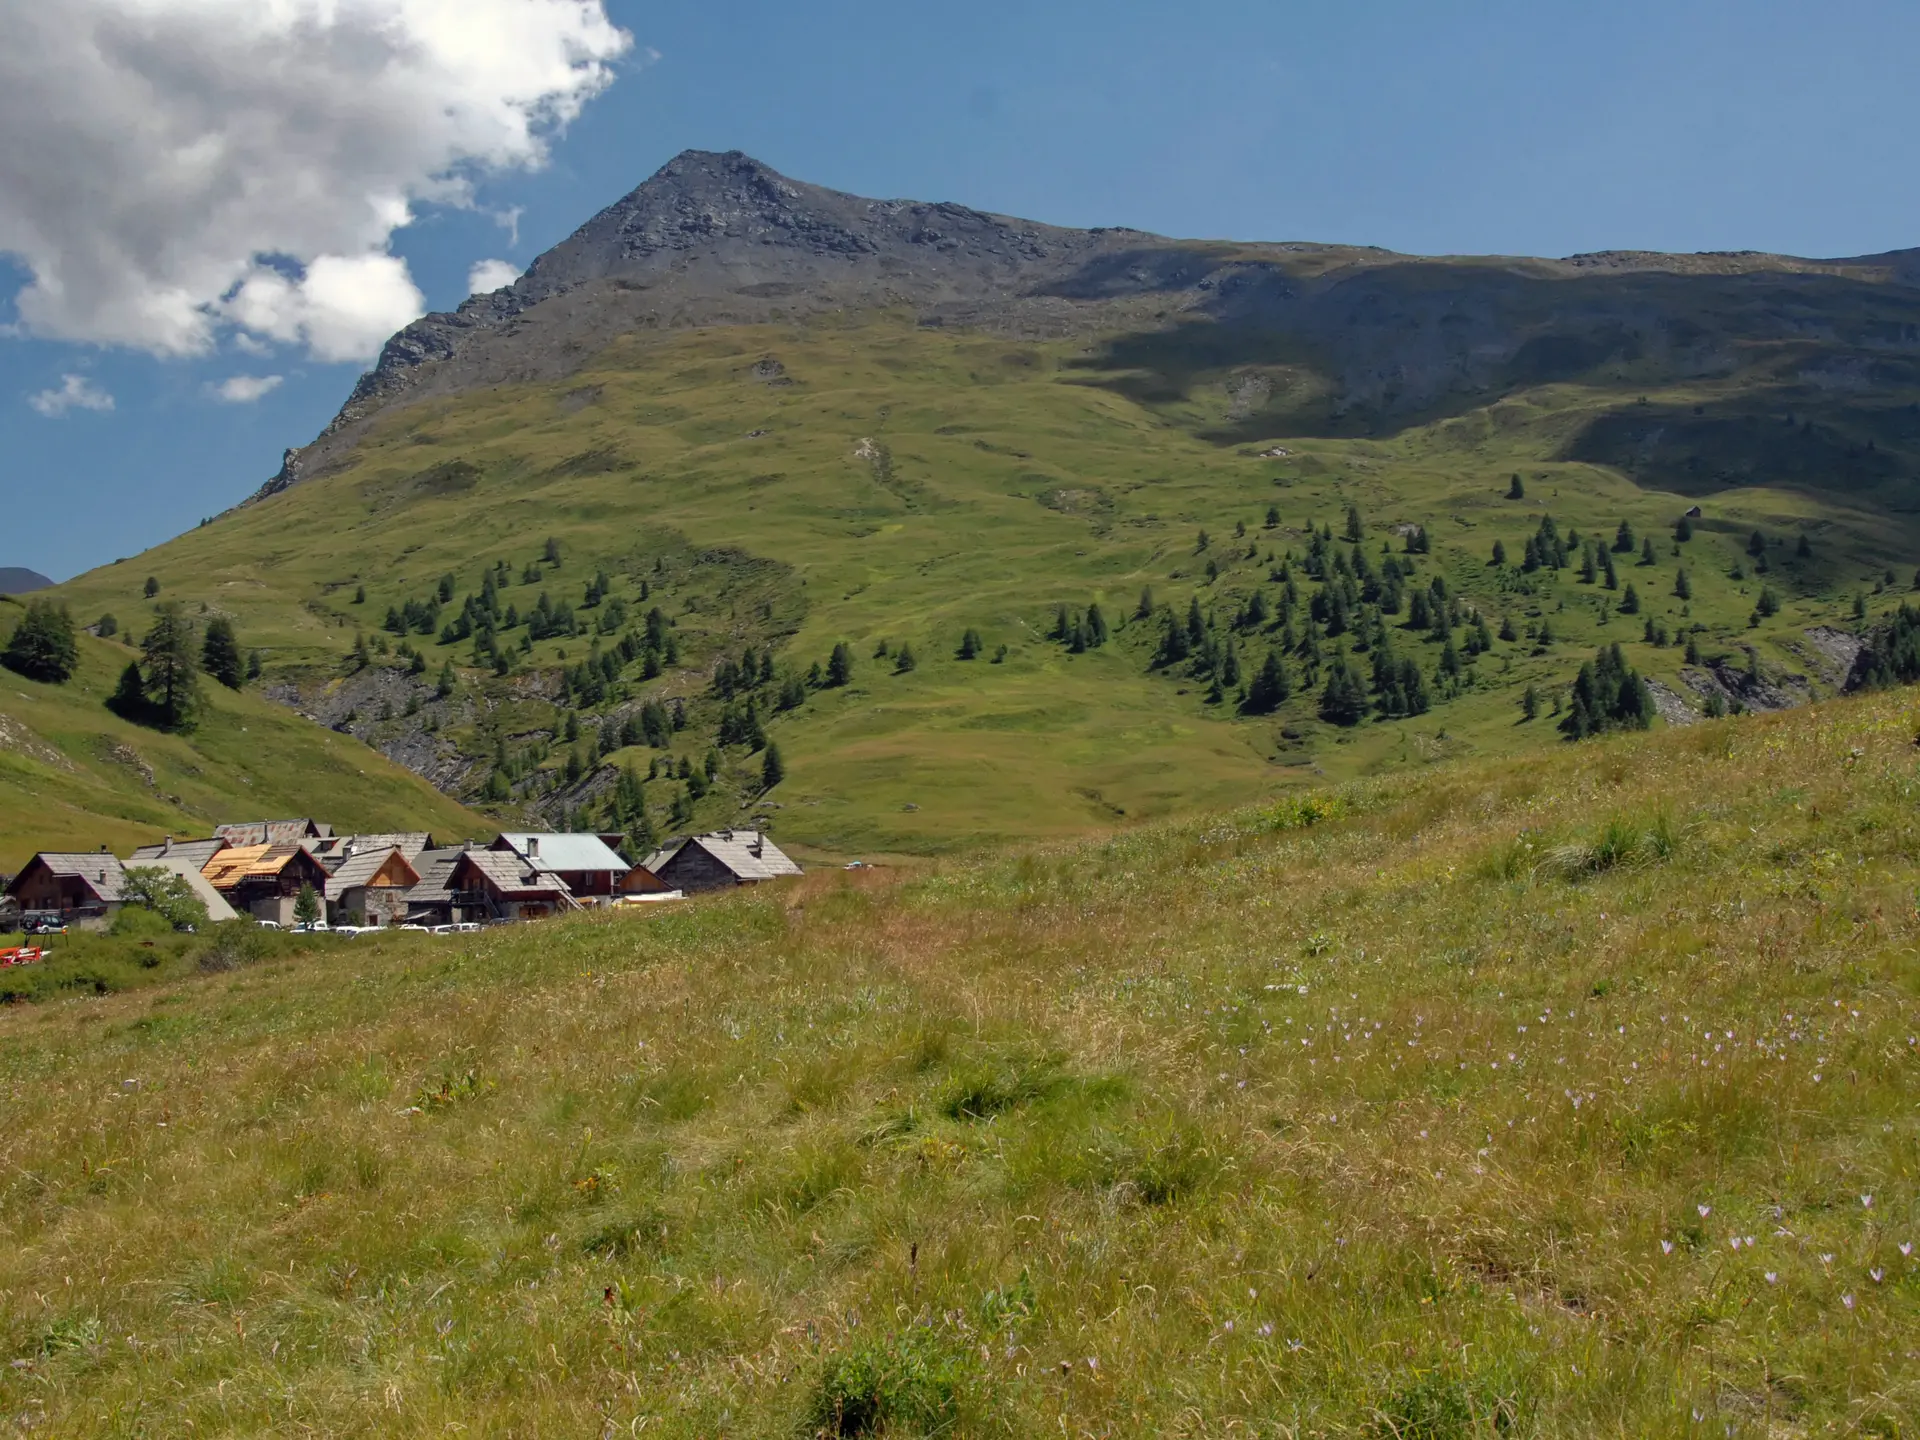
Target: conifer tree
[840,665]
[170,669]
[1515,490]
[1682,531]
[1270,687]
[1530,703]
[220,653]
[43,646]
[1144,610]
[306,905]
[773,769]
[904,661]
[1630,600]
[1273,517]
[1804,550]
[1096,624]
[1506,628]
[1499,552]
[1682,587]
[1623,541]
[1344,701]
[970,644]
[1355,530]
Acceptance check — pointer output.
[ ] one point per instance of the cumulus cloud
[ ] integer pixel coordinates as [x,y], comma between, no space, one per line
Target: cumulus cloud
[75,392]
[176,167]
[245,389]
[488,276]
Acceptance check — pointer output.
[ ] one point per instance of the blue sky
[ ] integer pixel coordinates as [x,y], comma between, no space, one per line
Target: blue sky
[1537,128]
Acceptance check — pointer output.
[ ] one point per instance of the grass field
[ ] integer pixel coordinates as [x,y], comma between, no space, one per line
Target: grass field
[1568,1094]
[74,776]
[892,483]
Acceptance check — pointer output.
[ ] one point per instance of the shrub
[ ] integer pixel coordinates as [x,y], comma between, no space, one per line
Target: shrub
[912,1381]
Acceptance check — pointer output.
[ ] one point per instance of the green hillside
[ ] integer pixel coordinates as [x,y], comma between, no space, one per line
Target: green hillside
[74,776]
[1500,1098]
[871,479]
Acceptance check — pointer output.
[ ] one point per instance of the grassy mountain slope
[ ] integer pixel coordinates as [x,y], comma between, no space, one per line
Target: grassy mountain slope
[870,478]
[74,776]
[1501,1097]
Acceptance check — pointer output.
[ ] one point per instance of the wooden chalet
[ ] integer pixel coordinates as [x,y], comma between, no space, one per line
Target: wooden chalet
[79,889]
[713,862]
[500,885]
[370,886]
[264,881]
[589,867]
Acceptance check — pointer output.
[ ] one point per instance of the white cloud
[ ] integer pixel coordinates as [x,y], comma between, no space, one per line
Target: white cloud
[245,389]
[488,276]
[76,392]
[176,166]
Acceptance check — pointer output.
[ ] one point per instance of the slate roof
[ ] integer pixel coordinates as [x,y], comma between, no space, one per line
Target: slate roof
[333,849]
[436,876]
[361,866]
[512,876]
[747,853]
[566,853]
[195,852]
[183,865]
[102,874]
[273,832]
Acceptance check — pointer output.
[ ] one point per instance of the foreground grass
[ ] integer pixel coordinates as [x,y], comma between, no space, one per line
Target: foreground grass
[1565,1097]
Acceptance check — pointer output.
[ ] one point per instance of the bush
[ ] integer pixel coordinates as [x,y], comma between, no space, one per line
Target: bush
[912,1380]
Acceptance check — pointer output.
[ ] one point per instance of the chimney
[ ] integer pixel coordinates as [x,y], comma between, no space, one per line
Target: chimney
[533,847]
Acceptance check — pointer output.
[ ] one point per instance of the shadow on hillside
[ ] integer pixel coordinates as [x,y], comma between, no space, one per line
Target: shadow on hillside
[1374,350]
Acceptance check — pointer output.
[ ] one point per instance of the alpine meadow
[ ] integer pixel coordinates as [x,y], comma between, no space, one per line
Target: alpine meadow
[1360,825]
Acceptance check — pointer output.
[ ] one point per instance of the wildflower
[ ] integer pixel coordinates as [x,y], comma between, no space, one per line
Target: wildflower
[1826,1259]
[1093,1362]
[1773,1277]
[1666,1247]
[1266,1330]
[1866,1202]
[1296,1345]
[1906,1247]
[1705,1210]
[1847,1299]
[1878,1274]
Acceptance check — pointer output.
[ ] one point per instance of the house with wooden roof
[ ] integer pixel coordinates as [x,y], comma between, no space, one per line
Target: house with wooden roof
[715,861]
[370,886]
[273,832]
[500,885]
[265,881]
[590,868]
[79,889]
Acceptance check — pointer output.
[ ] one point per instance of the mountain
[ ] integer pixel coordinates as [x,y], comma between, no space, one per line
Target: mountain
[790,420]
[16,580]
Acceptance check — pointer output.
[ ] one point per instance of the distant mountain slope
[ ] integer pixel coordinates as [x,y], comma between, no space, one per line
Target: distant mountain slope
[73,776]
[15,580]
[1385,339]
[789,419]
